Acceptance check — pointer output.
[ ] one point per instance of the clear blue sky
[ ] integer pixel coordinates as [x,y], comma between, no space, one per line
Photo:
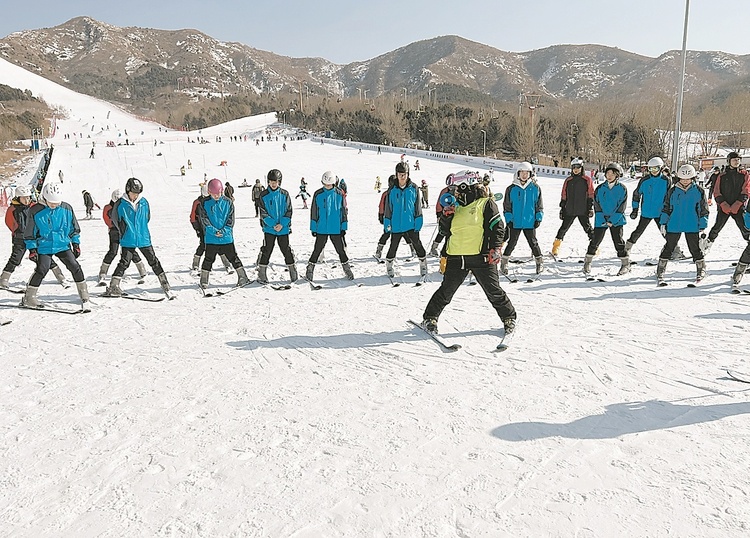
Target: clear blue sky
[344,31]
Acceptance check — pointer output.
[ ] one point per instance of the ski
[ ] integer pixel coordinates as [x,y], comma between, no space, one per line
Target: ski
[695,284]
[379,260]
[15,290]
[314,286]
[505,342]
[133,297]
[48,307]
[5,321]
[531,280]
[521,260]
[421,281]
[737,376]
[436,337]
[396,281]
[280,287]
[513,280]
[746,291]
[661,283]
[219,293]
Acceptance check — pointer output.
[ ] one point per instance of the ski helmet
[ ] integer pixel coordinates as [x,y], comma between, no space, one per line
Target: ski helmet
[732,155]
[215,186]
[465,177]
[53,193]
[116,195]
[577,161]
[134,184]
[23,190]
[274,175]
[655,162]
[614,166]
[527,167]
[402,168]
[686,171]
[328,178]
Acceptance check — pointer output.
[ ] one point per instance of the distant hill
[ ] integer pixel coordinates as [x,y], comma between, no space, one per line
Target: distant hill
[136,64]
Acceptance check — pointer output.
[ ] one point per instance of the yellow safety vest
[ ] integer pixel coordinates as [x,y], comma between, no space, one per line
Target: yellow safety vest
[467,229]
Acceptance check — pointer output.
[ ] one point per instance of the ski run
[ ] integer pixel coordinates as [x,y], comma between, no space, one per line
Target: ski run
[326,412]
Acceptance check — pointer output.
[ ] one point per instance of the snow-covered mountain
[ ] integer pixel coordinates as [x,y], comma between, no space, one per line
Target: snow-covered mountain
[115,63]
[324,413]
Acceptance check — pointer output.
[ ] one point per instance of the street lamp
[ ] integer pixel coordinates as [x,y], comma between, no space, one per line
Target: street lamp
[484,142]
[678,119]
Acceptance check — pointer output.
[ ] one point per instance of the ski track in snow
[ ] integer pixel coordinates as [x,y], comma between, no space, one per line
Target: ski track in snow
[324,413]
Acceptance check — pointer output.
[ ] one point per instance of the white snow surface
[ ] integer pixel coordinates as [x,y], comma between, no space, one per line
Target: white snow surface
[323,413]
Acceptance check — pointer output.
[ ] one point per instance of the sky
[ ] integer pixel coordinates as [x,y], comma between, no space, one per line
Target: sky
[343,31]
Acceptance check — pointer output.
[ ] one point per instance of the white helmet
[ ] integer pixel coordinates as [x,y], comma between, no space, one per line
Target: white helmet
[655,161]
[116,195]
[23,190]
[328,178]
[53,193]
[204,189]
[527,167]
[576,162]
[686,171]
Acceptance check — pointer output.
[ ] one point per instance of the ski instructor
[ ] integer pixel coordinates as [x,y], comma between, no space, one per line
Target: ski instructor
[474,229]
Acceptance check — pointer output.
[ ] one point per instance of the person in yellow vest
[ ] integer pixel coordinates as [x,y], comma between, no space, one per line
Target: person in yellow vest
[474,229]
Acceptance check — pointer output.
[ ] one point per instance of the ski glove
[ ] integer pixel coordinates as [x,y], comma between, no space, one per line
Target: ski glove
[314,234]
[591,213]
[33,255]
[537,223]
[725,207]
[562,214]
[449,210]
[76,249]
[634,214]
[494,256]
[735,207]
[663,230]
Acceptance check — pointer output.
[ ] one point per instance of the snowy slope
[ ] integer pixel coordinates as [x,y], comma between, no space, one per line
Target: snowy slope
[322,413]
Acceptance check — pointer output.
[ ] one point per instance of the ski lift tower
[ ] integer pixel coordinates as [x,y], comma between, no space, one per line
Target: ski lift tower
[532,102]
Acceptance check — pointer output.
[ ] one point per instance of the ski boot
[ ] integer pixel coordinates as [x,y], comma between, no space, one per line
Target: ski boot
[114,290]
[242,279]
[434,250]
[29,298]
[83,293]
[624,266]
[310,272]
[389,268]
[509,325]
[430,325]
[504,265]
[227,265]
[196,263]
[293,272]
[739,272]
[141,271]
[661,268]
[556,247]
[60,277]
[205,275]
[5,280]
[539,264]
[164,283]
[262,274]
[700,270]
[587,264]
[103,270]
[379,251]
[628,246]
[347,271]
[422,266]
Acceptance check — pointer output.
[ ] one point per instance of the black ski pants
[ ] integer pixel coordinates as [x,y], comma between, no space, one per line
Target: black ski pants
[44,263]
[16,256]
[384,239]
[617,239]
[114,246]
[642,225]
[320,243]
[456,270]
[529,234]
[568,222]
[692,240]
[269,241]
[721,220]
[127,256]
[227,250]
[416,242]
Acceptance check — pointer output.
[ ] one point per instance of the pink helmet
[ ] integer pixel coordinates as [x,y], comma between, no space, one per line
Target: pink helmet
[215,186]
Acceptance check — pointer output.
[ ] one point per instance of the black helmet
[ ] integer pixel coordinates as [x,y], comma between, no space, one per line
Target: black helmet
[274,175]
[616,167]
[402,168]
[134,184]
[733,155]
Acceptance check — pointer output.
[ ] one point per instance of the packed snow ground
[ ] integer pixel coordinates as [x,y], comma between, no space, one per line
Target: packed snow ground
[323,413]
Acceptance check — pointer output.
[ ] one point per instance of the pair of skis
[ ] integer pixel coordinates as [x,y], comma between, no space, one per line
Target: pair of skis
[447,346]
[49,307]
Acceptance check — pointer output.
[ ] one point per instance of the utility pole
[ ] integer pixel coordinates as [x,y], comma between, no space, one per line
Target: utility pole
[678,119]
[484,142]
[532,103]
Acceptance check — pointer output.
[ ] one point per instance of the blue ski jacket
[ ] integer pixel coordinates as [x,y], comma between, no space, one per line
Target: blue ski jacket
[131,220]
[649,195]
[328,212]
[685,210]
[217,216]
[275,208]
[403,209]
[50,231]
[522,204]
[609,205]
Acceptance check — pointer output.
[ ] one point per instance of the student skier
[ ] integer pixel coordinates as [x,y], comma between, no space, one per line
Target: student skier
[474,230]
[403,217]
[576,202]
[685,211]
[648,196]
[198,227]
[216,214]
[114,242]
[524,211]
[131,215]
[53,230]
[328,220]
[610,200]
[743,262]
[381,216]
[15,219]
[276,222]
[731,190]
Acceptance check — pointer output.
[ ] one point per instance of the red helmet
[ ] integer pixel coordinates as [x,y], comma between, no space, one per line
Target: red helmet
[215,186]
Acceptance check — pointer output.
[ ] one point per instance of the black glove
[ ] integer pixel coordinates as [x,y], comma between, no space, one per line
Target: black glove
[33,255]
[343,233]
[591,213]
[314,234]
[76,249]
[634,214]
[562,214]
[537,223]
